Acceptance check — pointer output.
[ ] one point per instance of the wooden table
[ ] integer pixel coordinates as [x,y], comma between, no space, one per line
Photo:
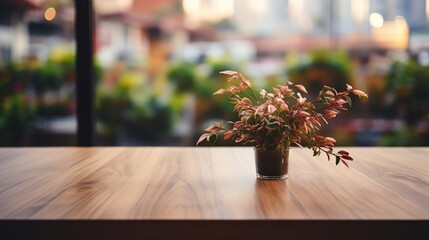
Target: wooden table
[210,193]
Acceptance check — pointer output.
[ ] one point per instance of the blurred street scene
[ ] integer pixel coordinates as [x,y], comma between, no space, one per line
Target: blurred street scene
[157,65]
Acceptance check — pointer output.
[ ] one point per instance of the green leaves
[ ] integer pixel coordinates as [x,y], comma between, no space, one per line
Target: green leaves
[348,99]
[337,160]
[342,157]
[212,139]
[233,100]
[316,152]
[328,156]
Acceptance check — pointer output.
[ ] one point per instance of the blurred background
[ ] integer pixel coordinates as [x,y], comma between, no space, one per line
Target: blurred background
[157,64]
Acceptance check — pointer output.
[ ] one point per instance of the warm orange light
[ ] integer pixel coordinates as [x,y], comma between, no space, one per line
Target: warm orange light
[50,14]
[393,33]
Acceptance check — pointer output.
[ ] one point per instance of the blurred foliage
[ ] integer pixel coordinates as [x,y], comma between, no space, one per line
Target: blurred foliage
[150,119]
[16,112]
[377,102]
[53,82]
[32,89]
[47,77]
[408,82]
[11,79]
[200,81]
[15,117]
[208,79]
[324,67]
[183,76]
[404,137]
[132,107]
[220,107]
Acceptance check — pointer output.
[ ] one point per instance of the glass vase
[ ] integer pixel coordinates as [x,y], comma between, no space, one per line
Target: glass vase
[272,164]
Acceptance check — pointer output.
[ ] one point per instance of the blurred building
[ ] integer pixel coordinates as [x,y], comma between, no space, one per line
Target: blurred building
[13,29]
[130,28]
[32,28]
[306,24]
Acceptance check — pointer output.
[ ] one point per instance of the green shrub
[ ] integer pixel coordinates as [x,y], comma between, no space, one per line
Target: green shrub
[183,76]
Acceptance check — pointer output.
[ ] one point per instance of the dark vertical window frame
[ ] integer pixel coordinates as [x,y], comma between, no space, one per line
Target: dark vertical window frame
[85,86]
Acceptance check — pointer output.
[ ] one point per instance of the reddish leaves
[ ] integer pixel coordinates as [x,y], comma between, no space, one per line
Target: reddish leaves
[343,155]
[203,137]
[281,118]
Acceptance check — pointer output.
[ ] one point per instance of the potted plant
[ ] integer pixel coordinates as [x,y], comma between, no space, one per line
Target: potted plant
[273,122]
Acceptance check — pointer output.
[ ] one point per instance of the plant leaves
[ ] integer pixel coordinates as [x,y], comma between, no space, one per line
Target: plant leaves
[220,91]
[349,100]
[233,100]
[314,153]
[212,139]
[272,124]
[301,88]
[327,87]
[345,163]
[344,153]
[337,160]
[203,137]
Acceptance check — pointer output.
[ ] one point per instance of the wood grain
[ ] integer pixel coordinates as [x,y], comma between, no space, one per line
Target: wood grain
[159,183]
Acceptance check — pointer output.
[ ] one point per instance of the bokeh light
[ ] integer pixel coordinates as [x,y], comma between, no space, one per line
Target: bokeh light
[50,14]
[376,20]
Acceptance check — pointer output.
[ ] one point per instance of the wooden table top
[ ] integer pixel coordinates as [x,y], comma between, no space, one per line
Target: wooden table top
[218,183]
